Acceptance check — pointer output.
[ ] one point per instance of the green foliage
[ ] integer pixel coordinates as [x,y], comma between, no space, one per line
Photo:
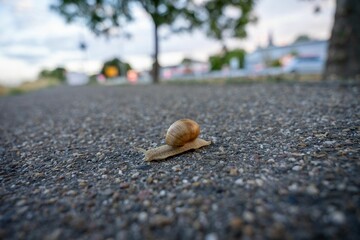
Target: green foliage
[227,18]
[236,53]
[187,61]
[58,73]
[294,53]
[103,15]
[120,66]
[99,15]
[166,12]
[302,38]
[93,79]
[16,91]
[221,17]
[218,61]
[275,63]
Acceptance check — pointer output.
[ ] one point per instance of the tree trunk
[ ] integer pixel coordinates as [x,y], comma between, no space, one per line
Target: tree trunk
[343,61]
[155,70]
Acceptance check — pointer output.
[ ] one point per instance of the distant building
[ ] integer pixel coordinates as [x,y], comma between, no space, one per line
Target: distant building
[188,68]
[261,57]
[76,78]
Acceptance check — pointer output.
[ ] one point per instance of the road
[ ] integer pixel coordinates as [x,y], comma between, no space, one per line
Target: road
[283,163]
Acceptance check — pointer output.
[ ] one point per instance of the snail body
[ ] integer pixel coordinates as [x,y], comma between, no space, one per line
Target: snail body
[181,136]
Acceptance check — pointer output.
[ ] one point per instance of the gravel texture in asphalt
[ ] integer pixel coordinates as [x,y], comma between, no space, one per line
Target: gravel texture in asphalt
[283,163]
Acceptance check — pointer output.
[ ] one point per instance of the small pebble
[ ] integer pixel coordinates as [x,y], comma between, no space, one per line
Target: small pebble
[162,193]
[196,184]
[176,168]
[143,216]
[107,192]
[293,187]
[233,171]
[338,217]
[135,175]
[71,193]
[211,236]
[124,185]
[248,230]
[271,160]
[20,203]
[239,182]
[297,168]
[329,142]
[149,180]
[213,162]
[259,182]
[248,216]
[54,235]
[160,221]
[312,189]
[236,223]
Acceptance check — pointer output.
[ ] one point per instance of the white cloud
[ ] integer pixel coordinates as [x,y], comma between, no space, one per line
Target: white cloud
[25,51]
[24,5]
[13,71]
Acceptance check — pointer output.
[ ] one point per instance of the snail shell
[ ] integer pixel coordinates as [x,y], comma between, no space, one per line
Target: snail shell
[182,136]
[181,132]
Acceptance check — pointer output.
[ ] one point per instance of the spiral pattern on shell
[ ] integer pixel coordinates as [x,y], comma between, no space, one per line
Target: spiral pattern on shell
[182,132]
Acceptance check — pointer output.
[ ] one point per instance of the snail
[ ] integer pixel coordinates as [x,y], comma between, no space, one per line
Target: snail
[181,136]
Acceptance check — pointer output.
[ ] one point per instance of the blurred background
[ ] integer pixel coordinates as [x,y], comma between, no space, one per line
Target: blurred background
[50,42]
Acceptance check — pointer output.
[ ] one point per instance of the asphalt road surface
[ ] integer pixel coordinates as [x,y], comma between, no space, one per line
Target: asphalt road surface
[283,163]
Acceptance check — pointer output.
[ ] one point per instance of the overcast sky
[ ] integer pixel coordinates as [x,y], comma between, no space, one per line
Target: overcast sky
[33,38]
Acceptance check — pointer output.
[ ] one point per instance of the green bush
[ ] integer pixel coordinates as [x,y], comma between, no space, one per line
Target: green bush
[275,63]
[118,64]
[236,53]
[58,73]
[218,61]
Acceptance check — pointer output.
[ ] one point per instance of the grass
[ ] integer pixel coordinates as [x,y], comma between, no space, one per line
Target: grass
[246,80]
[29,86]
[50,82]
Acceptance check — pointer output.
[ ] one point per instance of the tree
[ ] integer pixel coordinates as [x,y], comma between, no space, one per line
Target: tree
[236,53]
[275,63]
[218,61]
[227,18]
[120,66]
[58,73]
[343,59]
[220,18]
[187,61]
[302,38]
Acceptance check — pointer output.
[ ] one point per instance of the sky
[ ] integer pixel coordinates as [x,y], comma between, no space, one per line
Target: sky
[33,38]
